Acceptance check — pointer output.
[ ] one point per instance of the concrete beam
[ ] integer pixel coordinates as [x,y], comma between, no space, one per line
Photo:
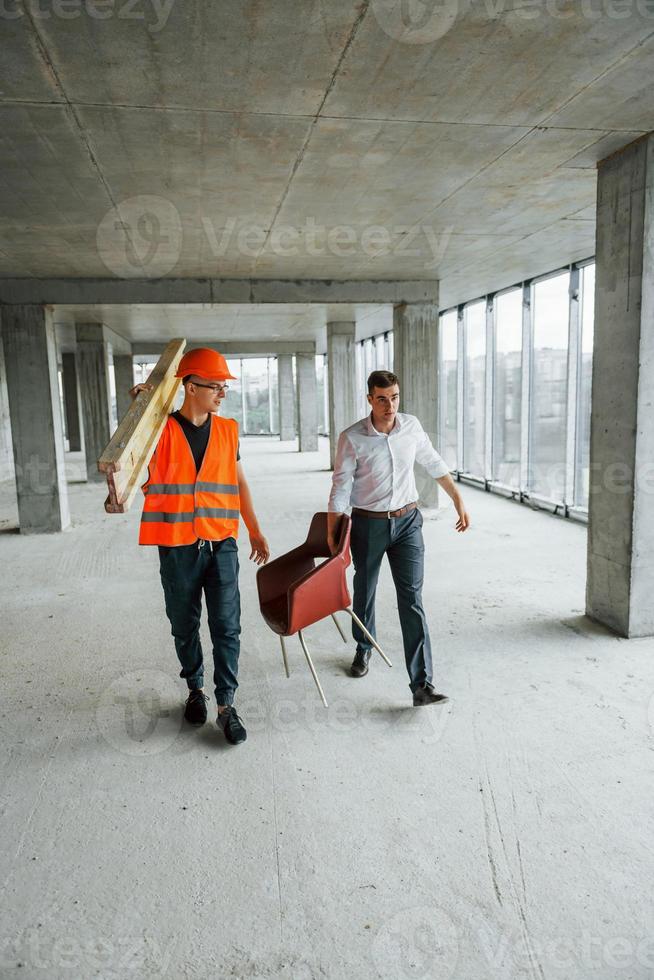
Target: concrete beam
[341,373]
[415,349]
[233,348]
[286,397]
[36,424]
[137,291]
[307,403]
[93,372]
[621,502]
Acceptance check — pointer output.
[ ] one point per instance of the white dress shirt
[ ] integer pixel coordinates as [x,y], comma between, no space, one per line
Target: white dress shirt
[374,470]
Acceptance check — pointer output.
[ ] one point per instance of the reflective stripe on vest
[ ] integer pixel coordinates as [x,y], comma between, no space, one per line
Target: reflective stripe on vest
[182,505]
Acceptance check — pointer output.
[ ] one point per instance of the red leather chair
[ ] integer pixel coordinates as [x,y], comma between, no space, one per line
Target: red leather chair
[297,589]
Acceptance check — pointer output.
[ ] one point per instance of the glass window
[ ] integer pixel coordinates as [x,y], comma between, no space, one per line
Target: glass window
[113,404]
[257,408]
[326,393]
[361,377]
[380,353]
[233,406]
[548,387]
[389,350]
[474,388]
[447,383]
[143,370]
[274,394]
[369,365]
[320,392]
[62,409]
[587,315]
[508,384]
[369,356]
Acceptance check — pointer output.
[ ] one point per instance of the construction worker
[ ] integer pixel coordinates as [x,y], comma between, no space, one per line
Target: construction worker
[195,494]
[373,473]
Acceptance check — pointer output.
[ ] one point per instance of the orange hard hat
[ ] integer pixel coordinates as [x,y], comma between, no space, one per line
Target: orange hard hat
[205,363]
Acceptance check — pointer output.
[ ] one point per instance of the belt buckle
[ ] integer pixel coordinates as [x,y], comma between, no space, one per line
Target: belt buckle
[389,514]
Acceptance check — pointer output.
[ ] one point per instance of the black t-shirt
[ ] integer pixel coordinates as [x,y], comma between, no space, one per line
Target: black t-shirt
[198,437]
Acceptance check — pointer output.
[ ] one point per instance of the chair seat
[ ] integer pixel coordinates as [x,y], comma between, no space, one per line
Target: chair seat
[275,613]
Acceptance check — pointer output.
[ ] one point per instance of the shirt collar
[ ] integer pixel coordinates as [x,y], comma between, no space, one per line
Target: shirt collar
[372,431]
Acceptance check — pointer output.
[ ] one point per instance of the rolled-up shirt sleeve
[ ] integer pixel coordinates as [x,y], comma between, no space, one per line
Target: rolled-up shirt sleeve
[427,456]
[344,466]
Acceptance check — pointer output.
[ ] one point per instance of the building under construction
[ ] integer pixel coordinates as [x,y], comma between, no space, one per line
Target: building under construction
[460,196]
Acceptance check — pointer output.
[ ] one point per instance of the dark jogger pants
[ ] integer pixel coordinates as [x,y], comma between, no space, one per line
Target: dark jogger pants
[187,571]
[401,539]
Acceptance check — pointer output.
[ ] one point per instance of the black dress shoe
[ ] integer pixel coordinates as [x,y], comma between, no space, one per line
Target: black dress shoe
[360,663]
[232,725]
[425,694]
[195,711]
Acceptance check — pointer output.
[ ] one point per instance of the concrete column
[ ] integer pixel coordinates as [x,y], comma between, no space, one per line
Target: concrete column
[620,581]
[307,404]
[93,372]
[72,405]
[286,397]
[124,378]
[342,376]
[36,424]
[415,340]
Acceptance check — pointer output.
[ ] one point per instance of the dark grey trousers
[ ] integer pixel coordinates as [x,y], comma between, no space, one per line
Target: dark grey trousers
[401,539]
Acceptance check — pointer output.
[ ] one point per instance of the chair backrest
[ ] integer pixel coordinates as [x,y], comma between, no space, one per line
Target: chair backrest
[317,537]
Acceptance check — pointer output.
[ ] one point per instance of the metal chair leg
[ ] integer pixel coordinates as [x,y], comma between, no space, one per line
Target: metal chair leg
[370,636]
[288,673]
[312,669]
[339,628]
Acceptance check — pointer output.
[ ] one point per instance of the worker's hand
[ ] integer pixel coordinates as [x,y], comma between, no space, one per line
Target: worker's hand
[332,543]
[133,392]
[260,551]
[463,522]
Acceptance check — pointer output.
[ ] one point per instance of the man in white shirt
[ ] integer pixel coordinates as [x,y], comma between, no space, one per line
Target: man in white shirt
[373,473]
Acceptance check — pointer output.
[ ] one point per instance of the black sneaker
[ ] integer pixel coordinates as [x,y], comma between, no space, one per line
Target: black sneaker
[195,711]
[360,663]
[425,694]
[232,725]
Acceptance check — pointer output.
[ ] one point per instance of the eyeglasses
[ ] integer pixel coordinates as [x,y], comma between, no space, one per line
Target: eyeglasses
[217,389]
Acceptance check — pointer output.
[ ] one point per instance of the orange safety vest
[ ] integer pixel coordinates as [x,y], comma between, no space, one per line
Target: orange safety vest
[182,505]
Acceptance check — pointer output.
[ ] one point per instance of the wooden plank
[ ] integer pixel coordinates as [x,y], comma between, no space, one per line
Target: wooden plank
[125,458]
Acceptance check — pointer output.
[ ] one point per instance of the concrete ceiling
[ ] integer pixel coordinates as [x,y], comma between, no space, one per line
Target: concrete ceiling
[313,138]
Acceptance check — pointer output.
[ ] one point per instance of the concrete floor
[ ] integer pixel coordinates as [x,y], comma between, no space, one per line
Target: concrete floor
[506,835]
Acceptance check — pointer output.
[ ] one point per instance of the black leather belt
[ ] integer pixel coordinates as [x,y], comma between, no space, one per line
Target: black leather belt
[385,515]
